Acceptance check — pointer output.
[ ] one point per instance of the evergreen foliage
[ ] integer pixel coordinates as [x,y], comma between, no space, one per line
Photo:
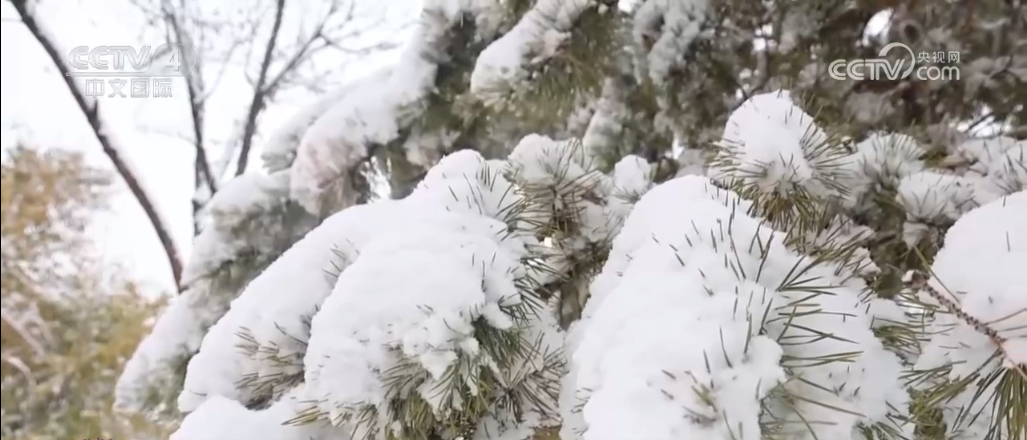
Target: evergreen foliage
[673,224]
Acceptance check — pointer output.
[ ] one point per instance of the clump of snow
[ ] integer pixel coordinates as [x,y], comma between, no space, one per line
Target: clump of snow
[605,125]
[997,163]
[980,270]
[689,264]
[413,298]
[979,171]
[414,294]
[666,28]
[537,37]
[220,418]
[273,307]
[280,150]
[539,160]
[773,145]
[560,178]
[980,153]
[632,178]
[933,198]
[880,160]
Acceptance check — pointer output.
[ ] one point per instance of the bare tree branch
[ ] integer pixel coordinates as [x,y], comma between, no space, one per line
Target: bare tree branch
[259,92]
[91,110]
[203,174]
[196,107]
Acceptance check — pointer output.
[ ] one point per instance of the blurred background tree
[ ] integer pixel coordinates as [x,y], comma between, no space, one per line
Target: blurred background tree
[68,321]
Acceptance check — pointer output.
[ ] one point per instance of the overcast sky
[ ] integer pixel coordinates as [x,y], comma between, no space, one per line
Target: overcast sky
[36,108]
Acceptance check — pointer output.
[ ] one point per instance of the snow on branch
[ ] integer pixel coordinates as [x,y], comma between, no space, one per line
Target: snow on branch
[220,418]
[280,151]
[772,146]
[426,346]
[381,105]
[976,354]
[575,207]
[105,136]
[252,221]
[775,340]
[982,170]
[273,319]
[534,39]
[422,320]
[665,30]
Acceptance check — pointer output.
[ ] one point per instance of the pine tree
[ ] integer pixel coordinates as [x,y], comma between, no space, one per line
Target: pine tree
[672,223]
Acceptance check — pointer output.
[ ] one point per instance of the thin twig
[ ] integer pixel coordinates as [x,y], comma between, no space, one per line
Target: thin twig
[260,92]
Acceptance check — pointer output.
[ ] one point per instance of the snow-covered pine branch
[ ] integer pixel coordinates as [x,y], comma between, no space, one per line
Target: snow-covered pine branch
[509,62]
[974,363]
[576,208]
[252,221]
[808,206]
[380,108]
[454,339]
[982,170]
[666,29]
[768,342]
[795,173]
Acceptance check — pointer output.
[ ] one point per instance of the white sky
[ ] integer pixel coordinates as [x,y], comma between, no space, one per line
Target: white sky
[37,109]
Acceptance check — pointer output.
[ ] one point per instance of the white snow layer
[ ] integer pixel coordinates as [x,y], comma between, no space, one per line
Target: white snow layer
[667,28]
[414,274]
[380,105]
[220,418]
[538,35]
[565,172]
[774,145]
[246,203]
[984,170]
[880,160]
[980,270]
[274,305]
[413,294]
[280,150]
[691,263]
